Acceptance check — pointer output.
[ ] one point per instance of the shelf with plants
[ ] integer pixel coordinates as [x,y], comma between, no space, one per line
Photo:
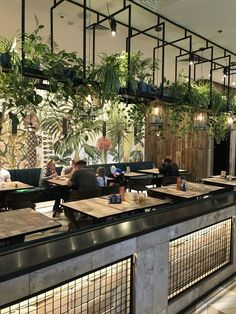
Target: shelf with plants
[186,102]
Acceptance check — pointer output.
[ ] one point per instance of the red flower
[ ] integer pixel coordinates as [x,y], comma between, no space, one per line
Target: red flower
[103,143]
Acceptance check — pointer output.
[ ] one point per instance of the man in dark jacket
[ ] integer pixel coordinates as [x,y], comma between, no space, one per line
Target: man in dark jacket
[84,180]
[170,171]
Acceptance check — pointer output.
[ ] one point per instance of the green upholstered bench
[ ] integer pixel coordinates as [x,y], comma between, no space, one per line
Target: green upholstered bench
[31,175]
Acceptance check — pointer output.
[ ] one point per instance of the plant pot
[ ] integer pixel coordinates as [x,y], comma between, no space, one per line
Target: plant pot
[64,74]
[5,60]
[147,90]
[33,70]
[132,88]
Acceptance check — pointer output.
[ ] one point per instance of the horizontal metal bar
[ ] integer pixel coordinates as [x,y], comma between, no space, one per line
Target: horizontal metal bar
[178,25]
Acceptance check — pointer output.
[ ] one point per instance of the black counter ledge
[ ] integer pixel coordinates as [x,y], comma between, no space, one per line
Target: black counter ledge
[44,252]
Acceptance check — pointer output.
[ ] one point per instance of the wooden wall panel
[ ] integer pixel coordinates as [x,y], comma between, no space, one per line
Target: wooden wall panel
[189,152]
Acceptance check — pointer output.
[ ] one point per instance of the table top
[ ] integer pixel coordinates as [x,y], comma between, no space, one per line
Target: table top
[24,221]
[133,174]
[150,171]
[217,180]
[59,180]
[195,190]
[98,207]
[156,171]
[13,186]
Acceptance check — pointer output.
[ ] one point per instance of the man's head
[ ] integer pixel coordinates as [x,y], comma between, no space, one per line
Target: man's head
[51,164]
[74,163]
[81,164]
[167,160]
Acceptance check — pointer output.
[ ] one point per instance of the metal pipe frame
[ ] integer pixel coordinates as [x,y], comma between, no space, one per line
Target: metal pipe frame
[23,34]
[131,29]
[181,27]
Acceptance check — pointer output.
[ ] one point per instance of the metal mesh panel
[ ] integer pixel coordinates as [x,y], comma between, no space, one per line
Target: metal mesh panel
[197,255]
[107,290]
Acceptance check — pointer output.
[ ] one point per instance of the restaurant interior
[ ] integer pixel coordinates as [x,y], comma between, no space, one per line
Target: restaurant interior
[138,95]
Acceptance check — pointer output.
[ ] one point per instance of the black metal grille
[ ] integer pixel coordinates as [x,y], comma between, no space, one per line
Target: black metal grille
[107,290]
[197,255]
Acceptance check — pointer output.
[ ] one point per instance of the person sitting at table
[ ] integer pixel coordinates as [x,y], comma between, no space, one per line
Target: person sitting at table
[68,171]
[84,179]
[101,176]
[4,175]
[48,190]
[170,171]
[117,174]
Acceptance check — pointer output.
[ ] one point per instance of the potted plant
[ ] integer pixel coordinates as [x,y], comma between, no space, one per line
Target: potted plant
[109,76]
[7,52]
[139,75]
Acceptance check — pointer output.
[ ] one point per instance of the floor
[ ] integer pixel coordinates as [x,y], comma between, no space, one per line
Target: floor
[222,301]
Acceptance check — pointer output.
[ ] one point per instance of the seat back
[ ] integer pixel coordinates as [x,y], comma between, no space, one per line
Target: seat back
[76,195]
[140,183]
[111,189]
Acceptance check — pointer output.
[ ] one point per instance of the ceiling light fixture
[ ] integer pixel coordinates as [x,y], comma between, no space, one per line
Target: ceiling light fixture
[113,26]
[225,72]
[191,59]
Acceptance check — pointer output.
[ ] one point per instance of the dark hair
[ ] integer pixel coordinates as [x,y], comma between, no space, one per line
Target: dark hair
[81,163]
[168,160]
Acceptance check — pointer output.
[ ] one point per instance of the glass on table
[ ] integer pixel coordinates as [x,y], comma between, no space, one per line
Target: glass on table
[141,197]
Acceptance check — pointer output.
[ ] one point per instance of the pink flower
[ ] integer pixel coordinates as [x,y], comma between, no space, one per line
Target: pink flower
[103,143]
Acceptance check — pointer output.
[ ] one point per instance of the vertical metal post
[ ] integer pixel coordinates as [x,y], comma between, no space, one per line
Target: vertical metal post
[163,59]
[94,43]
[51,28]
[190,67]
[23,33]
[211,77]
[194,72]
[84,38]
[128,40]
[176,67]
[228,94]
[153,64]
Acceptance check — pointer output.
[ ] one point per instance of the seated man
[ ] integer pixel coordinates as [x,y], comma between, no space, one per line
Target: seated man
[49,191]
[69,170]
[4,175]
[170,171]
[83,179]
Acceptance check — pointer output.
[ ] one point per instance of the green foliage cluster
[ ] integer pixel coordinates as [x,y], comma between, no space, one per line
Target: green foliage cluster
[188,100]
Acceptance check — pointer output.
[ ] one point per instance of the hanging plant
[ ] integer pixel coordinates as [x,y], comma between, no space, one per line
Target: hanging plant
[137,115]
[218,127]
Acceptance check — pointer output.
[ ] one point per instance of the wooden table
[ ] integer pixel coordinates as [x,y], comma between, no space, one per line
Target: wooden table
[13,186]
[195,190]
[98,207]
[133,174]
[216,180]
[60,180]
[16,224]
[155,171]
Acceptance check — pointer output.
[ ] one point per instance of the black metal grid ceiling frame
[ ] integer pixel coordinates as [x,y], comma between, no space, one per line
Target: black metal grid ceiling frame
[133,32]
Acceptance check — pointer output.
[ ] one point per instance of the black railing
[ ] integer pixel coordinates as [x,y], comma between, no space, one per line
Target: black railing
[106,290]
[195,256]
